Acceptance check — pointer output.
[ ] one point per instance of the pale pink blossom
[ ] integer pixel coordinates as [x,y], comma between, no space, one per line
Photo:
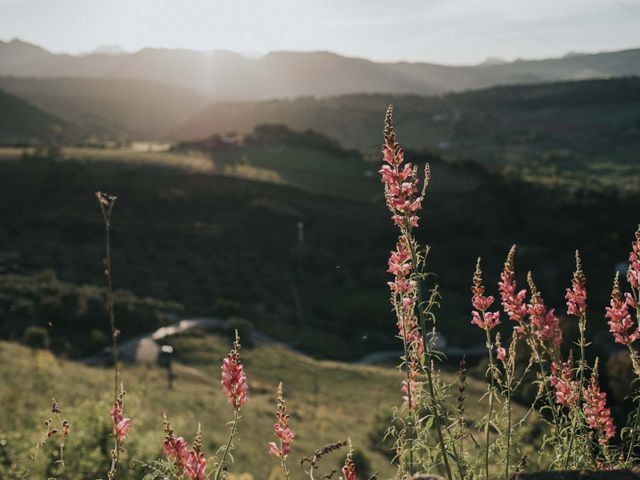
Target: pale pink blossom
[189,461]
[481,317]
[577,295]
[196,466]
[416,389]
[121,424]
[281,429]
[543,322]
[233,378]
[513,301]
[621,325]
[595,408]
[349,468]
[567,388]
[501,353]
[400,181]
[176,449]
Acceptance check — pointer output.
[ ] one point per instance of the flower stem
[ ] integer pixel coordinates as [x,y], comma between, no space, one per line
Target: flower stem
[232,434]
[582,323]
[491,395]
[428,362]
[506,463]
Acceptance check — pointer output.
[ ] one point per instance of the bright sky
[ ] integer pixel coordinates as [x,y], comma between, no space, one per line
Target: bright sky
[442,31]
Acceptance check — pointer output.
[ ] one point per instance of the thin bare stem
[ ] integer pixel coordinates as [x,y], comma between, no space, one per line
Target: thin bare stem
[227,448]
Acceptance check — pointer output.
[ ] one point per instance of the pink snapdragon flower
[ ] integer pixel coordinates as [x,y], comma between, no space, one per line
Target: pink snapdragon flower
[121,424]
[633,272]
[544,323]
[567,389]
[281,429]
[403,290]
[189,461]
[349,468]
[400,180]
[513,301]
[577,295]
[196,466]
[595,408]
[233,378]
[625,331]
[416,390]
[177,449]
[501,353]
[480,316]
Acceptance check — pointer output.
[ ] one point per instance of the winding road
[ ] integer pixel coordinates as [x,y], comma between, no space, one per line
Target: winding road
[146,348]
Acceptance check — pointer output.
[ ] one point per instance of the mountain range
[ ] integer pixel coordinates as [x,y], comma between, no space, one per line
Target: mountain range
[228,75]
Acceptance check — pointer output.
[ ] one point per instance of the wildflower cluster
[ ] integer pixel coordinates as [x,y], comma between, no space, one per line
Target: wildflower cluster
[598,414]
[233,378]
[577,295]
[349,467]
[543,322]
[281,429]
[566,387]
[481,316]
[121,424]
[400,180]
[625,331]
[190,461]
[513,301]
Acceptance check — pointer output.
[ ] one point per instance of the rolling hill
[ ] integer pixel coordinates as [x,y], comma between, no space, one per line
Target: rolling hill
[110,107]
[24,123]
[554,127]
[228,75]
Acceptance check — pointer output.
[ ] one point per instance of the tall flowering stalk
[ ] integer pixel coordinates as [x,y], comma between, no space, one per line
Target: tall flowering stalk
[63,431]
[404,200]
[624,329]
[543,332]
[513,300]
[487,320]
[234,386]
[120,427]
[283,433]
[595,408]
[570,392]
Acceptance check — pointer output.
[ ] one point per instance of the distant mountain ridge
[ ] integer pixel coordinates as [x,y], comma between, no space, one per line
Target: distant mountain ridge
[227,75]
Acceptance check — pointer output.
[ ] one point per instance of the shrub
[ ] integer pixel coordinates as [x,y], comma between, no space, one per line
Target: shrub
[36,337]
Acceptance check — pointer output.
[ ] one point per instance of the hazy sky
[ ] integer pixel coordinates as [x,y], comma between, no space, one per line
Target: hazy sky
[446,31]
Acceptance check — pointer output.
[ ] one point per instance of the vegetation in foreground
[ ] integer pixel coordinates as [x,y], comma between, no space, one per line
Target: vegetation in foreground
[429,433]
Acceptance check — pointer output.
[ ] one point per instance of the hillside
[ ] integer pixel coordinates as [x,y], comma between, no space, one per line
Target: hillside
[312,272]
[290,74]
[110,107]
[320,398]
[24,123]
[591,126]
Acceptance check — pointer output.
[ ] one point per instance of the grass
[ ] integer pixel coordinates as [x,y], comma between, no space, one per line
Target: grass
[282,165]
[327,400]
